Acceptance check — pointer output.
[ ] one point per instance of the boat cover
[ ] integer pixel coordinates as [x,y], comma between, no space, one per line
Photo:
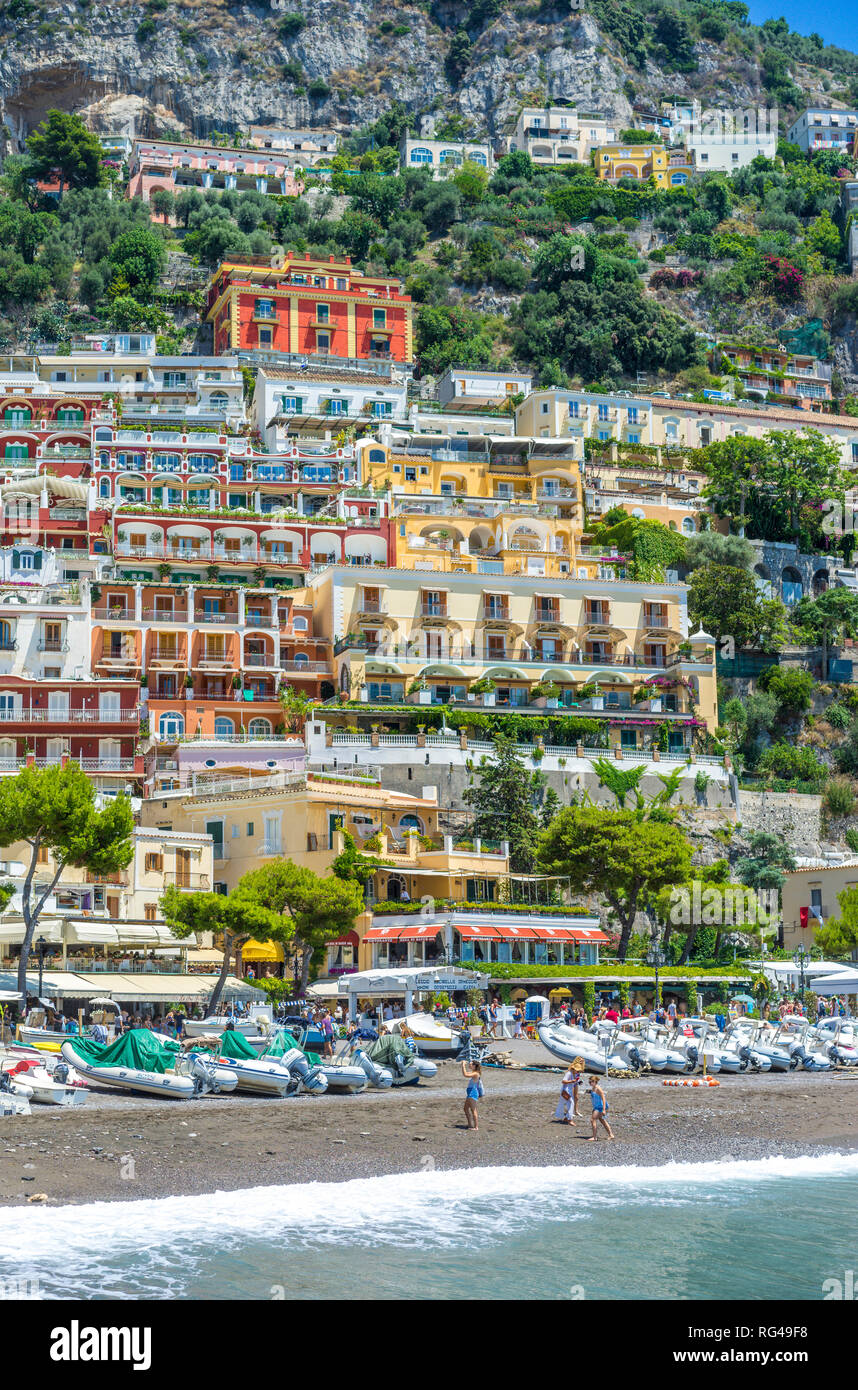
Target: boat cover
[283,1041]
[235,1044]
[386,1050]
[137,1048]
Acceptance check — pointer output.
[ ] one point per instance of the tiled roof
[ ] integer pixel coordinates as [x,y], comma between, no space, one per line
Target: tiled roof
[299,374]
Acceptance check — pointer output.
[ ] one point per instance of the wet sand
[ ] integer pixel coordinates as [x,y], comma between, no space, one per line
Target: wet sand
[121,1148]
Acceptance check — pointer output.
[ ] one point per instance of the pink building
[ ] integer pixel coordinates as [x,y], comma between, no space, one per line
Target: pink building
[165,164]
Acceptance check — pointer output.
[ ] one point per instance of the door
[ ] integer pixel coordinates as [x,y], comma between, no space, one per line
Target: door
[183,868]
[58,704]
[109,704]
[215,829]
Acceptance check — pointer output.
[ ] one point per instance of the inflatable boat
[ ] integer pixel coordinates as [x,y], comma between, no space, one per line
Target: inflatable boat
[281,1070]
[433,1037]
[392,1054]
[570,1044]
[340,1072]
[138,1062]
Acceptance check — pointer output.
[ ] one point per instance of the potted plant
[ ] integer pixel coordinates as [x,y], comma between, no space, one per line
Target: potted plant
[486,687]
[419,692]
[546,694]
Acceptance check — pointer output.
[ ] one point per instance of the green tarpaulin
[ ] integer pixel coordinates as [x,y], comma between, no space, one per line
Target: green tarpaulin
[137,1048]
[235,1044]
[283,1042]
[387,1048]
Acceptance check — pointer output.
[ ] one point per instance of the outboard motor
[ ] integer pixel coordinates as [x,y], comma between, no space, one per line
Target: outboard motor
[376,1075]
[635,1058]
[746,1058]
[693,1055]
[61,1073]
[311,1078]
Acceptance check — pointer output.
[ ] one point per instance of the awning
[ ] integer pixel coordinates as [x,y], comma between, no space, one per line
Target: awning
[263,950]
[12,933]
[205,955]
[569,934]
[91,934]
[407,933]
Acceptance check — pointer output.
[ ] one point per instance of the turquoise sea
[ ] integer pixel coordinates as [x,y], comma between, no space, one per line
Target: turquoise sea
[769,1229]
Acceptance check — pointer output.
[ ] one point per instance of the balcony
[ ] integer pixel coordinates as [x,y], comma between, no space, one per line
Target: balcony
[598,615]
[50,644]
[318,322]
[261,620]
[546,614]
[213,661]
[113,612]
[69,716]
[161,615]
[497,613]
[265,315]
[169,658]
[305,668]
[192,882]
[267,660]
[217,619]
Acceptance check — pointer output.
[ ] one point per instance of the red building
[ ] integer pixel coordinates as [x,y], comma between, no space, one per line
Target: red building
[309,308]
[87,722]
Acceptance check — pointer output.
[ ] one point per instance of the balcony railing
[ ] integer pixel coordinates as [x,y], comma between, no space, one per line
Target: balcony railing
[69,716]
[193,882]
[309,668]
[267,659]
[48,644]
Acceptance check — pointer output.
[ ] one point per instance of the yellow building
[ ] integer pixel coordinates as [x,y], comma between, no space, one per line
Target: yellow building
[666,168]
[814,887]
[671,495]
[431,641]
[93,920]
[662,429]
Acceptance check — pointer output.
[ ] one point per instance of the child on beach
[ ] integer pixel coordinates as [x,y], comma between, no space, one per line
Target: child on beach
[600,1109]
[473,1074]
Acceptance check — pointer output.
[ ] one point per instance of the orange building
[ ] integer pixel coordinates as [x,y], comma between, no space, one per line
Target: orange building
[309,308]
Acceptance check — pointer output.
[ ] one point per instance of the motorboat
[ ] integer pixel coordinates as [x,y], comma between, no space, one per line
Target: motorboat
[796,1036]
[12,1099]
[762,1039]
[138,1062]
[738,1038]
[341,1074]
[395,1055]
[57,1087]
[569,1044]
[838,1039]
[433,1037]
[644,1043]
[283,1070]
[34,1031]
[700,1040]
[256,1025]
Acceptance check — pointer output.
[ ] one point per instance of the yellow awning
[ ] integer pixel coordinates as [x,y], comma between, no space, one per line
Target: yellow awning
[262,950]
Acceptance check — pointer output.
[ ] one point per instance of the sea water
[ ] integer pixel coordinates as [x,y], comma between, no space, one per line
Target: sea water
[767,1229]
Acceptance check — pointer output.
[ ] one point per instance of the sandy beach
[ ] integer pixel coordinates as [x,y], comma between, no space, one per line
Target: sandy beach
[122,1148]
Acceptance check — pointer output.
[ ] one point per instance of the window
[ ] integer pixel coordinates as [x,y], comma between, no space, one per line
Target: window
[379,318]
[224,728]
[250,830]
[292,405]
[421,156]
[154,863]
[323,341]
[171,726]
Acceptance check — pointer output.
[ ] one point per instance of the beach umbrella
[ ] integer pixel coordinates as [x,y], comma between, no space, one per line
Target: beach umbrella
[561,993]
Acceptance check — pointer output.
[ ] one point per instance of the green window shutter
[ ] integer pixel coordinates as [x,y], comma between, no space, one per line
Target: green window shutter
[16,560]
[37,560]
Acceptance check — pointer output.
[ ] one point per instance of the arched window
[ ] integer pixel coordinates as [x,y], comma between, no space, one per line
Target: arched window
[299,624]
[421,155]
[69,415]
[224,728]
[171,726]
[301,658]
[377,456]
[104,434]
[104,488]
[677,179]
[6,642]
[259,728]
[104,459]
[477,157]
[411,822]
[688,525]
[792,588]
[450,157]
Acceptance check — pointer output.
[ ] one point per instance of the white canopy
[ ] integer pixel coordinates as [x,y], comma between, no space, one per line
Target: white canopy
[379,984]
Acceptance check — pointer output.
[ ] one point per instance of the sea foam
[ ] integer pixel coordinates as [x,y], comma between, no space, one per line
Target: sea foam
[427,1206]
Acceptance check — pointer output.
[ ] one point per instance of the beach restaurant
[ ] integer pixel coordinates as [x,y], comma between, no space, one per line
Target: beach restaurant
[393,984]
[485,938]
[138,993]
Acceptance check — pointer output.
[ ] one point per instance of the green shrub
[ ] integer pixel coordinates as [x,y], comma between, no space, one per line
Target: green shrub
[839,797]
[290,25]
[838,716]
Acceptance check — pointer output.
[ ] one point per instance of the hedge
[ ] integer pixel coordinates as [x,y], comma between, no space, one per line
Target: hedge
[499,971]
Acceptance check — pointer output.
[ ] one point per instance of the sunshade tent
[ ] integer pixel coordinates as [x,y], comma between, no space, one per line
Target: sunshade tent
[263,951]
[561,993]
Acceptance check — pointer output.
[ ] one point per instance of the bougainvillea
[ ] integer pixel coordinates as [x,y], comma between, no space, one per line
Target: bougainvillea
[784,278]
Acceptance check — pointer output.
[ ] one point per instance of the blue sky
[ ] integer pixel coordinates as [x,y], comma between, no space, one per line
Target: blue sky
[836,24]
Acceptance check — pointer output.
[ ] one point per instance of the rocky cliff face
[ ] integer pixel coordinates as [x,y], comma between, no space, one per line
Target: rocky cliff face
[213,65]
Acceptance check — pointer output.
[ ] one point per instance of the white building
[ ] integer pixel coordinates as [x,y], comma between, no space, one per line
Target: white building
[313,146]
[44,626]
[819,128]
[444,156]
[287,401]
[470,388]
[560,134]
[724,138]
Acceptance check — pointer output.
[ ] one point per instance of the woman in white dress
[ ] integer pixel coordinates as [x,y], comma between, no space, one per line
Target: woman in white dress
[567,1105]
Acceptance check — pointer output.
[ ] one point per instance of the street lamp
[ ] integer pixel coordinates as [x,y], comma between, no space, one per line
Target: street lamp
[655,957]
[40,947]
[801,958]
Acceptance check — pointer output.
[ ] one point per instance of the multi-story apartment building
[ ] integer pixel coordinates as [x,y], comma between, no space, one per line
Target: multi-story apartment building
[723,138]
[823,128]
[167,164]
[96,923]
[291,402]
[463,388]
[211,660]
[671,427]
[307,148]
[673,496]
[668,168]
[444,157]
[315,308]
[560,134]
[393,638]
[795,378]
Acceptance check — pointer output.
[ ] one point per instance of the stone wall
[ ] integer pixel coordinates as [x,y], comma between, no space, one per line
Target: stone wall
[793,817]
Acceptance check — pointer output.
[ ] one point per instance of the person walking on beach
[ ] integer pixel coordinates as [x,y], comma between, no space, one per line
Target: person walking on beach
[474,1091]
[600,1109]
[567,1106]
